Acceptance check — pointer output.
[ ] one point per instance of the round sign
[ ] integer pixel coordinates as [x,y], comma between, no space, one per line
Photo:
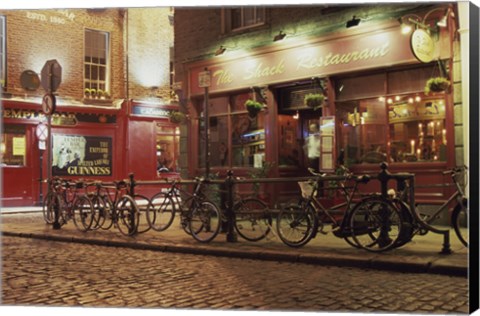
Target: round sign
[423,46]
[29,80]
[41,132]
[48,104]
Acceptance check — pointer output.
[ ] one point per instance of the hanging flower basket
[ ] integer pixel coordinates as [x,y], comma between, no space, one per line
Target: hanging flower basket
[177,117]
[314,100]
[436,84]
[253,107]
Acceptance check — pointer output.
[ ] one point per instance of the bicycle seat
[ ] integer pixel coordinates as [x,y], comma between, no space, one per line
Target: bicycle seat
[363,179]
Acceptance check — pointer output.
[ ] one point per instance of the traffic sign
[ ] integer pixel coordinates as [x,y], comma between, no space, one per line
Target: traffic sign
[204,79]
[51,75]
[41,132]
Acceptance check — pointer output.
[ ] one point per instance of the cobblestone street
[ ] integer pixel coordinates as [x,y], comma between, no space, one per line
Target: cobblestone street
[48,273]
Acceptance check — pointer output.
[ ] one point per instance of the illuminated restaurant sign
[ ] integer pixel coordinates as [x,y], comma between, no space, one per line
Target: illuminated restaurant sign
[344,54]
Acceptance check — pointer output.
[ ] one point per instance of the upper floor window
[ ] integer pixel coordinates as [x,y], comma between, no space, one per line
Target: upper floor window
[3,53]
[96,62]
[239,18]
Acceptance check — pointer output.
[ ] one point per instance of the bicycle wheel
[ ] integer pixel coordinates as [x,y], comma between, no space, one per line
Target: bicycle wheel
[205,221]
[83,214]
[297,224]
[127,215]
[51,201]
[144,206]
[252,220]
[161,213]
[376,224]
[460,222]
[102,208]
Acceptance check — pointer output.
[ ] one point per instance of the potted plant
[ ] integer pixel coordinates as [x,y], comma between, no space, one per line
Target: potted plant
[314,100]
[253,107]
[177,117]
[88,92]
[101,94]
[436,84]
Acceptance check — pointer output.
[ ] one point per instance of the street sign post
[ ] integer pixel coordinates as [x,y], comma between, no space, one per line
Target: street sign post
[51,75]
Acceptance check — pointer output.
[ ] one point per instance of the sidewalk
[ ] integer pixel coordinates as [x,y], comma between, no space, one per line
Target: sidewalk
[422,255]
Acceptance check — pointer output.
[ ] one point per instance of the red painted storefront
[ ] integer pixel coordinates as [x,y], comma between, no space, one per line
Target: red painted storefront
[93,143]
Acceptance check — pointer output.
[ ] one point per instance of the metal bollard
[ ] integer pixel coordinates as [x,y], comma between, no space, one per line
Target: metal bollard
[229,183]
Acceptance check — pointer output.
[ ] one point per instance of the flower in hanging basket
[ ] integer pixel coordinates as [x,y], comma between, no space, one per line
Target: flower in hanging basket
[436,84]
[314,100]
[177,117]
[253,107]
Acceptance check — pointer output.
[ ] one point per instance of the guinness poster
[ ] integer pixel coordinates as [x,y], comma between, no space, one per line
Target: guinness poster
[81,156]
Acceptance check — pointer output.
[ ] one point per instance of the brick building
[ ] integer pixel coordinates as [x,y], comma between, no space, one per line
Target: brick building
[358,57]
[115,86]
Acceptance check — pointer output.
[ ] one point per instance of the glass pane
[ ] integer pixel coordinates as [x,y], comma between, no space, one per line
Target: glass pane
[239,102]
[94,74]
[248,140]
[363,130]
[417,130]
[13,145]
[360,87]
[219,154]
[248,16]
[218,106]
[102,73]
[167,149]
[236,18]
[410,80]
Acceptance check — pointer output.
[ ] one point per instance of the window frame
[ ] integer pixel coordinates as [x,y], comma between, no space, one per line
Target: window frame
[107,64]
[227,21]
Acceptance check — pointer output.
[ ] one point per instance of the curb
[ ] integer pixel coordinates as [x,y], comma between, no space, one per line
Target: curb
[324,260]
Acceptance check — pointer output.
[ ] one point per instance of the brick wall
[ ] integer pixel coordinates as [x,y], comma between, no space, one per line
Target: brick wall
[35,36]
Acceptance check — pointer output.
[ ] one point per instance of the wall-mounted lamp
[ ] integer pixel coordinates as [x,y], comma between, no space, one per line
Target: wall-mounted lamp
[220,50]
[408,23]
[353,22]
[280,36]
[409,20]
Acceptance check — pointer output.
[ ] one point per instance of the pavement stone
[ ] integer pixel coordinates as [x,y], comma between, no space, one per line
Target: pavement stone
[422,255]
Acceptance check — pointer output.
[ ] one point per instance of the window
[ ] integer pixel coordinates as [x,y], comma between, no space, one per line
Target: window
[168,148]
[13,145]
[404,125]
[96,61]
[235,139]
[239,18]
[3,53]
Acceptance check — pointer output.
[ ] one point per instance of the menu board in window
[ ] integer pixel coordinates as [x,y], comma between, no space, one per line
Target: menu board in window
[327,144]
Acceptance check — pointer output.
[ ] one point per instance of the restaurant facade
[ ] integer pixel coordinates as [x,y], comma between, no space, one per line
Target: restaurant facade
[371,74]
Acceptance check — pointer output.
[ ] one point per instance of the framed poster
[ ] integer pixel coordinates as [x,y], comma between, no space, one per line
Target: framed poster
[74,155]
[327,144]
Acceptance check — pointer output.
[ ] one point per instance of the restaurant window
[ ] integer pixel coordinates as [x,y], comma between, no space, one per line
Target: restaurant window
[3,53]
[239,18]
[96,62]
[402,125]
[13,145]
[235,139]
[168,148]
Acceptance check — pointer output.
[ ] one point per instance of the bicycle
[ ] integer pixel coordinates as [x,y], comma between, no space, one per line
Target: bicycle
[422,223]
[299,222]
[199,217]
[121,211]
[64,196]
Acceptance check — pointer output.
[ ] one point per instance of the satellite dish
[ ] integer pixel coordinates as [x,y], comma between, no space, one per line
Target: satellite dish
[29,80]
